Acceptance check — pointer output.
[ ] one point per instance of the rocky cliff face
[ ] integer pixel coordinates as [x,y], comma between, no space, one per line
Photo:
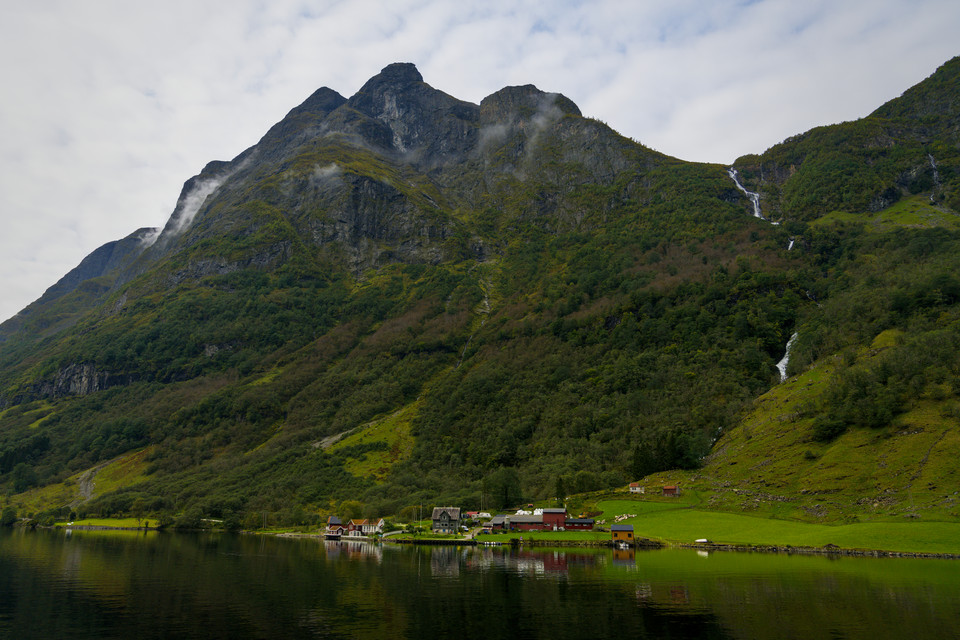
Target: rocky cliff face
[373,179]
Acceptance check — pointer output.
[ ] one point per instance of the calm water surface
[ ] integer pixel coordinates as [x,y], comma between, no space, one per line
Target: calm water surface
[123,585]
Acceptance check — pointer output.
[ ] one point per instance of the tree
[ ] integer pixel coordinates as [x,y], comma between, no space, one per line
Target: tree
[561,491]
[350,510]
[24,477]
[137,509]
[642,463]
[8,517]
[504,486]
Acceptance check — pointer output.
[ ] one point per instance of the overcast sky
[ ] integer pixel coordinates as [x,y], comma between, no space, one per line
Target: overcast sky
[109,106]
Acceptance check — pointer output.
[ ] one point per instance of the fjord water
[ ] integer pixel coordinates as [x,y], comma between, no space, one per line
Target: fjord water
[125,585]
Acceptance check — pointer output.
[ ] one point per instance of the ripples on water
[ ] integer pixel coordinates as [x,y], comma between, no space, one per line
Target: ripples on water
[123,585]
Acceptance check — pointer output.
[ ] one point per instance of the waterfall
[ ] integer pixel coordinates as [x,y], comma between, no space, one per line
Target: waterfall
[754,196]
[782,365]
[790,246]
[936,177]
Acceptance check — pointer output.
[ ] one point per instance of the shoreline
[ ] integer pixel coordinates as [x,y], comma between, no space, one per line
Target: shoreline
[643,544]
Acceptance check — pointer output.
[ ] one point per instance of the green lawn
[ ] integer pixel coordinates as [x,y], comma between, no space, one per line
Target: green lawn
[681,523]
[124,523]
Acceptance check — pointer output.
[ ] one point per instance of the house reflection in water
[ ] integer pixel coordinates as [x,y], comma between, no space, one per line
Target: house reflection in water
[625,558]
[445,562]
[538,562]
[353,549]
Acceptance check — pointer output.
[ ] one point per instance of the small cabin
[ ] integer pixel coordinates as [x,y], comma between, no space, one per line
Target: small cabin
[635,487]
[335,529]
[672,491]
[621,533]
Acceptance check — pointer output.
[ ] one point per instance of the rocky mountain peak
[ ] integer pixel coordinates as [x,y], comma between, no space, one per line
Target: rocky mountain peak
[320,103]
[524,102]
[400,73]
[416,119]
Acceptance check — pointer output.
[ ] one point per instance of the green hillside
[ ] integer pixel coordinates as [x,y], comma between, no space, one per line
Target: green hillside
[441,302]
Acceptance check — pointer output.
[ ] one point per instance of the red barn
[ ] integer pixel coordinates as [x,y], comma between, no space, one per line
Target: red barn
[554,519]
[579,524]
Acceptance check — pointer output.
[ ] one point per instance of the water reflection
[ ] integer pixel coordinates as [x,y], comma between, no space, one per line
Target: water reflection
[116,585]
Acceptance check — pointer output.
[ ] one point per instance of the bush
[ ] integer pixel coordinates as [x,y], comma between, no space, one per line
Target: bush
[826,428]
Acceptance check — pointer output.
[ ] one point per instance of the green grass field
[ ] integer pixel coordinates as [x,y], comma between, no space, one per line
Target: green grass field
[682,523]
[120,523]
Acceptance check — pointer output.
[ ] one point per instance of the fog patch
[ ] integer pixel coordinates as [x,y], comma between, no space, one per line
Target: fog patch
[323,174]
[547,113]
[149,237]
[492,134]
[189,206]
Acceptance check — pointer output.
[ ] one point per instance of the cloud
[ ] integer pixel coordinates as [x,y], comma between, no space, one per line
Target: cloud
[110,105]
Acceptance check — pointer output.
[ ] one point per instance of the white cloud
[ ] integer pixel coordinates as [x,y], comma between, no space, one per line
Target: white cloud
[111,105]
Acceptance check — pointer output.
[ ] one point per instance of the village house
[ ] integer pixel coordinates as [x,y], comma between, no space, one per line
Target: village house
[355,528]
[446,519]
[579,524]
[635,487]
[334,529]
[372,527]
[622,533]
[526,523]
[497,523]
[554,519]
[549,519]
[671,490]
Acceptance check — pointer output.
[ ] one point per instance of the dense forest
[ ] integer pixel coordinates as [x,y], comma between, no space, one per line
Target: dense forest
[402,298]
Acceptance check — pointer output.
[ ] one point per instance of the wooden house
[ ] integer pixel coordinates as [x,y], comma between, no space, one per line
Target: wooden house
[635,487]
[335,528]
[579,524]
[355,528]
[622,534]
[671,490]
[372,527]
[446,519]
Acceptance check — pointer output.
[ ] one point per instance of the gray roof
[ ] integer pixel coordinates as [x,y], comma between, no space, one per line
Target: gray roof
[498,519]
[582,521]
[621,527]
[452,512]
[526,519]
[554,510]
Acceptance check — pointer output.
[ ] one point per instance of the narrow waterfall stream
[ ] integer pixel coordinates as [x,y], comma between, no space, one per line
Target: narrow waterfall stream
[936,178]
[753,195]
[782,365]
[755,199]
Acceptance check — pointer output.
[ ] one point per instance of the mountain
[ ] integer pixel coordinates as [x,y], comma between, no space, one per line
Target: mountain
[401,297]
